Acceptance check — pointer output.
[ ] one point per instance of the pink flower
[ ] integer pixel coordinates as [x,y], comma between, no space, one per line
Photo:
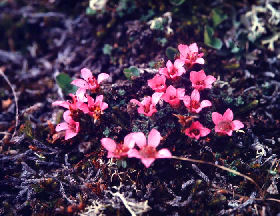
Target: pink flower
[193,104]
[189,54]
[118,150]
[173,96]
[96,108]
[173,71]
[147,106]
[200,81]
[88,82]
[73,105]
[224,124]
[157,83]
[70,126]
[196,130]
[147,151]
[80,93]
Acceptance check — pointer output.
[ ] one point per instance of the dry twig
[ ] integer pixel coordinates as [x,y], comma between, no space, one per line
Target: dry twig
[231,171]
[15,97]
[223,168]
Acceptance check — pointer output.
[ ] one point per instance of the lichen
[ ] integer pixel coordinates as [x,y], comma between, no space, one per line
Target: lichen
[263,19]
[162,23]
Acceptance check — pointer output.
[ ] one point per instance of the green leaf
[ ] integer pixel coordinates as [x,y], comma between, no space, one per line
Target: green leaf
[27,129]
[64,82]
[272,172]
[176,2]
[107,49]
[90,12]
[148,16]
[162,41]
[210,40]
[131,72]
[152,64]
[218,16]
[124,164]
[119,163]
[171,53]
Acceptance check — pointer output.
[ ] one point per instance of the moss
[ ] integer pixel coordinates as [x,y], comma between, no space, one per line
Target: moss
[106,132]
[228,100]
[121,92]
[239,101]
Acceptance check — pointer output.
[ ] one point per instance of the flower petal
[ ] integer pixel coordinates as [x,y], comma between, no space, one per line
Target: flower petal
[199,61]
[184,50]
[109,144]
[135,102]
[91,101]
[70,134]
[67,116]
[187,101]
[147,161]
[194,77]
[140,139]
[83,107]
[62,126]
[164,153]
[169,65]
[187,132]
[64,104]
[80,83]
[175,103]
[171,91]
[163,71]
[209,81]
[141,110]
[205,103]
[180,71]
[156,97]
[201,75]
[151,112]
[216,118]
[86,74]
[129,141]
[196,110]
[102,77]
[228,115]
[111,155]
[218,130]
[180,93]
[99,99]
[237,125]
[165,97]
[193,47]
[204,131]
[103,106]
[77,127]
[80,93]
[179,63]
[154,138]
[195,95]
[229,133]
[133,153]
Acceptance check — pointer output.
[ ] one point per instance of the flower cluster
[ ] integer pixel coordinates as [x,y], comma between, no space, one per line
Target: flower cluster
[166,86]
[82,103]
[146,151]
[135,144]
[189,56]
